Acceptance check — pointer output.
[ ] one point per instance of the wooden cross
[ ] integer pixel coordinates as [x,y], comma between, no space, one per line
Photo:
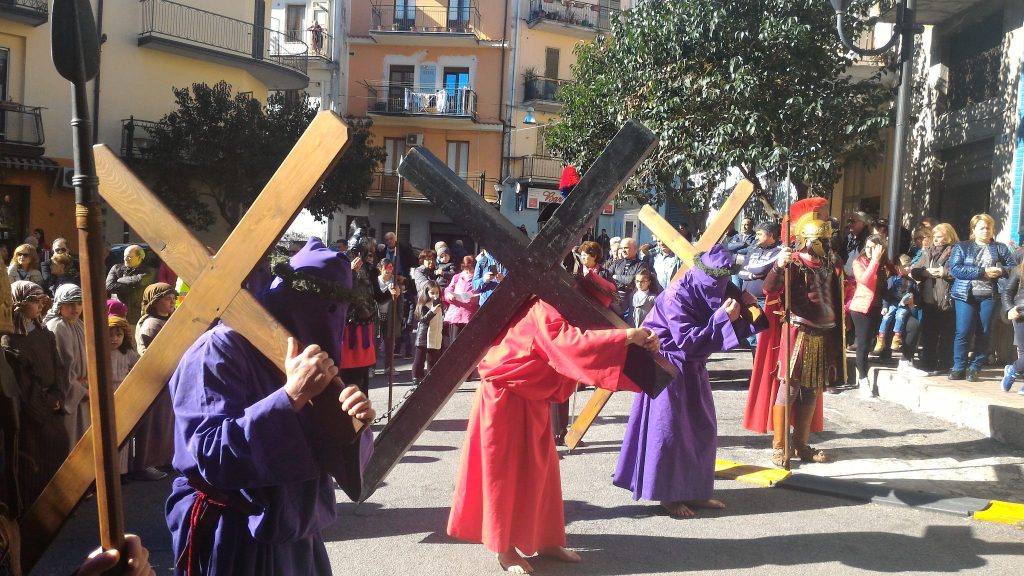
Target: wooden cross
[534,269]
[216,293]
[686,252]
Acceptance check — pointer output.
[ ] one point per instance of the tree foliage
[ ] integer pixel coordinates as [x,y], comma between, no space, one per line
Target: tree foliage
[212,156]
[757,85]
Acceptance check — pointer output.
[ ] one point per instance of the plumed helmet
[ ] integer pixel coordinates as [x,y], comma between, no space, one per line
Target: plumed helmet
[812,228]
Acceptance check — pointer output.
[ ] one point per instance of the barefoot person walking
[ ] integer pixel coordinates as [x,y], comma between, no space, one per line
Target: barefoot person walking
[668,453]
[508,493]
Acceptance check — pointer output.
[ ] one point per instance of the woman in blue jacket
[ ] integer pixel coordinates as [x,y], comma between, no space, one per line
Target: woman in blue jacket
[976,265]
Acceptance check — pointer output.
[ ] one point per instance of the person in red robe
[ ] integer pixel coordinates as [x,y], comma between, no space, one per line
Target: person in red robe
[508,494]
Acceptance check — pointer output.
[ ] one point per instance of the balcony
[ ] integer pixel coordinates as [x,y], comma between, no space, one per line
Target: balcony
[31,12]
[436,25]
[384,187]
[578,19]
[320,45]
[536,169]
[180,29]
[542,93]
[21,129]
[398,99]
[974,79]
[136,139]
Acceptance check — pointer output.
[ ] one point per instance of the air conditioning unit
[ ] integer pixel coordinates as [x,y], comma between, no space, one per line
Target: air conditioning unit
[66,174]
[414,139]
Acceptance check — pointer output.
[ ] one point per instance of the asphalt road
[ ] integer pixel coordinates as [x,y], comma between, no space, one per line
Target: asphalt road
[401,529]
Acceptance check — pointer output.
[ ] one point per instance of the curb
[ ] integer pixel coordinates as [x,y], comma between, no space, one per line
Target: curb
[976,508]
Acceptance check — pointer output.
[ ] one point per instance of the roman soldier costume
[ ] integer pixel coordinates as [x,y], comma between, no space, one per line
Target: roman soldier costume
[815,357]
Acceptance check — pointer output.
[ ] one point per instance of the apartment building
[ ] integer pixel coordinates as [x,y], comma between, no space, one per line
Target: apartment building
[429,74]
[545,34]
[966,151]
[148,47]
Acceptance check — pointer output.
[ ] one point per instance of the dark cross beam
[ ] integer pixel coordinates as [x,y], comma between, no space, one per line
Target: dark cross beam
[686,252]
[217,292]
[534,269]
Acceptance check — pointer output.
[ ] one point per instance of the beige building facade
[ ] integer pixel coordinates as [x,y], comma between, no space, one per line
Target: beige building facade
[148,48]
[426,74]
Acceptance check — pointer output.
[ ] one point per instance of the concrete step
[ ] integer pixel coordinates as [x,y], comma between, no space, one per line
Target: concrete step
[980,406]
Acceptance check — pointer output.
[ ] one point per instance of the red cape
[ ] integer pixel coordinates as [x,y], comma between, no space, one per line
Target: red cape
[508,491]
[764,378]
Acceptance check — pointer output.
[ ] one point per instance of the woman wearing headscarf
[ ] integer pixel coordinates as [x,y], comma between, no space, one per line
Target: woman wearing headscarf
[43,386]
[65,321]
[154,443]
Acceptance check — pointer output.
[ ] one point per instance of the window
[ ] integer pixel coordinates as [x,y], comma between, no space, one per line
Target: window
[395,148]
[551,62]
[456,84]
[295,15]
[400,79]
[458,158]
[458,15]
[405,14]
[542,141]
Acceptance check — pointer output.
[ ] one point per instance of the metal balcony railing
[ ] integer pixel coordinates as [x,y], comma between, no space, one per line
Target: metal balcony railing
[385,185]
[581,14]
[136,138]
[207,29]
[34,12]
[20,124]
[458,17]
[537,167]
[974,79]
[400,98]
[319,43]
[539,88]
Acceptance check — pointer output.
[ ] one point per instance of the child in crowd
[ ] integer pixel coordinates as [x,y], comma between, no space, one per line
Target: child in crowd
[643,298]
[65,321]
[122,359]
[445,267]
[899,303]
[429,330]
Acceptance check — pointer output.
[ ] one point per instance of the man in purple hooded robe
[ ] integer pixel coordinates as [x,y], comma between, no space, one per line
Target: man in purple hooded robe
[668,453]
[254,491]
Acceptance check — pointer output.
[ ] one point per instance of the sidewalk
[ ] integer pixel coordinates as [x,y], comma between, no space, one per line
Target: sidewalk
[980,406]
[924,436]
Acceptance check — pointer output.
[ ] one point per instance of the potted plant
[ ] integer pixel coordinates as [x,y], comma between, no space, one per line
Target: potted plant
[529,83]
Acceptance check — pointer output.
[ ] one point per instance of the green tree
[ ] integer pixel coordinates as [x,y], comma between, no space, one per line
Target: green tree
[757,85]
[212,156]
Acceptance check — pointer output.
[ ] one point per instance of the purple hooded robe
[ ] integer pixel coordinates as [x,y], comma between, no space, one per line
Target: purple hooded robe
[235,429]
[668,452]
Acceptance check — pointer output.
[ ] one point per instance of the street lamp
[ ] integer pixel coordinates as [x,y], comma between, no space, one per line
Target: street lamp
[529,118]
[904,30]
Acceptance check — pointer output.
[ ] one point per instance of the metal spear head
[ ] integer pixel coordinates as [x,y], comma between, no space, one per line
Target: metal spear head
[75,46]
[840,5]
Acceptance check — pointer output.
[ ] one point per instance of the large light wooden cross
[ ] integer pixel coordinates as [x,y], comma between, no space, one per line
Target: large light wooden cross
[216,293]
[686,252]
[534,269]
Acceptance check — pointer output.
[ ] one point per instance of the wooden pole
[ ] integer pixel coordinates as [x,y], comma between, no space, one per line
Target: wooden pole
[76,57]
[394,301]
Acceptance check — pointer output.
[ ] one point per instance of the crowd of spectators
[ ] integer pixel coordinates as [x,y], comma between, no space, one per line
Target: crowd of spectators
[945,307]
[43,368]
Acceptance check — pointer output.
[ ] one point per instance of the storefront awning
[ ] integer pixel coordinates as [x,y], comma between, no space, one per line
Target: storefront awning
[28,163]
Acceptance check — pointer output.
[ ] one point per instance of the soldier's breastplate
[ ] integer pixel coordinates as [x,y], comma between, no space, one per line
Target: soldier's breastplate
[812,299]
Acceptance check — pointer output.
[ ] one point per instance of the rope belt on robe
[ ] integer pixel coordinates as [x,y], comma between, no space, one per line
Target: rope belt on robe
[206,512]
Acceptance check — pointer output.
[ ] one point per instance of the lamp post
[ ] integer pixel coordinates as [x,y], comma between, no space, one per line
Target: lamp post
[903,31]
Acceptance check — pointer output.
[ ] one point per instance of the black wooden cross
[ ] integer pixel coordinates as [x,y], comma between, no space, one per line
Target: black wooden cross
[534,269]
